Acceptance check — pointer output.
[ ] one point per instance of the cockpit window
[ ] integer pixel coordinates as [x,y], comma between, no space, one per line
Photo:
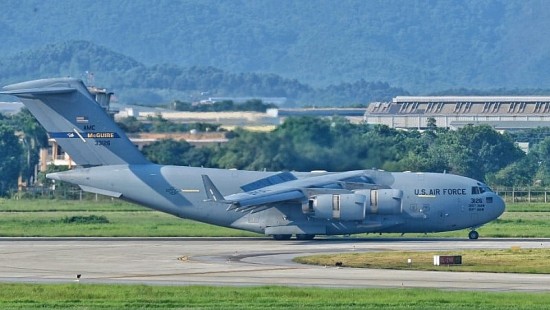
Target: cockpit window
[480,189]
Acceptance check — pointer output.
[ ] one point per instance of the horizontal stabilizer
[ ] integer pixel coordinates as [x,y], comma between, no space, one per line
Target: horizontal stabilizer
[39,91]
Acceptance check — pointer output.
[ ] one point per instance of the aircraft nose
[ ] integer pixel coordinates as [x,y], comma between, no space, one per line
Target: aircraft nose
[499,206]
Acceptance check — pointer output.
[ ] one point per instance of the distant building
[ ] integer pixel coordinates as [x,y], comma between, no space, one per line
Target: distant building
[10,108]
[103,97]
[502,113]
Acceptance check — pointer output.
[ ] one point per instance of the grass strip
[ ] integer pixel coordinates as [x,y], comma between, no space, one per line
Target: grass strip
[47,218]
[528,207]
[514,260]
[86,296]
[56,205]
[112,224]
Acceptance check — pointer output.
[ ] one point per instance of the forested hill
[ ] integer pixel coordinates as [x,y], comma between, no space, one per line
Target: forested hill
[135,82]
[421,46]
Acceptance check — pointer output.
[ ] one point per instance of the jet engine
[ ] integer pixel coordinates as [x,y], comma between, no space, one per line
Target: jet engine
[356,205]
[384,201]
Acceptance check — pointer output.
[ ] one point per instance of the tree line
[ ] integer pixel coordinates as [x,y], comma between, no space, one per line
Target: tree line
[306,144]
[21,138]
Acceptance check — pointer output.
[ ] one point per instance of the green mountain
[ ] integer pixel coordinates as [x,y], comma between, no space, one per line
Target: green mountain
[421,46]
[135,82]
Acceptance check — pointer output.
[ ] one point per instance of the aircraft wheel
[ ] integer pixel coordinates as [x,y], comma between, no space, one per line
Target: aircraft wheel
[473,235]
[282,237]
[304,236]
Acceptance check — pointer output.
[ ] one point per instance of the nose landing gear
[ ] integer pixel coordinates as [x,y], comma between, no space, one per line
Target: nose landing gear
[473,235]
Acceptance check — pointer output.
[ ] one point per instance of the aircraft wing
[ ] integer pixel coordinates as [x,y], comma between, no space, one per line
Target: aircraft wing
[255,200]
[285,191]
[250,201]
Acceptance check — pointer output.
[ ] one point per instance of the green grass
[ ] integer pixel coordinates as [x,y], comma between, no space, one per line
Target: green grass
[513,260]
[52,218]
[83,296]
[509,225]
[528,207]
[520,224]
[76,218]
[54,205]
[120,224]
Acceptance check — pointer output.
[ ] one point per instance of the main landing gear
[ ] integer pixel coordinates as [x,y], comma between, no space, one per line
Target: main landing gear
[473,235]
[282,237]
[305,237]
[298,237]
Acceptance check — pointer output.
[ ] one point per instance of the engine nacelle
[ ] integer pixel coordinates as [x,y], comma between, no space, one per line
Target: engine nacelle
[384,201]
[345,207]
[355,206]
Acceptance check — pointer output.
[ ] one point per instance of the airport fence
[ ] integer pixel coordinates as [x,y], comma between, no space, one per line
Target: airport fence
[65,193]
[524,194]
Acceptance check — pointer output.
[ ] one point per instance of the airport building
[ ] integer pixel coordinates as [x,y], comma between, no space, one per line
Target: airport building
[502,113]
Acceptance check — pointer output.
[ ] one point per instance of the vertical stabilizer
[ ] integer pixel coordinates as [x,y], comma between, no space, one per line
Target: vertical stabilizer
[71,116]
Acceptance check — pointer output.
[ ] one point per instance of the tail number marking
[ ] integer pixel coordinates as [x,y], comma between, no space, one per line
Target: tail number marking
[103,142]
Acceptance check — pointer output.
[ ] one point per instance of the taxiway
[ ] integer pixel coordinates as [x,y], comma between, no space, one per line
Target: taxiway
[243,261]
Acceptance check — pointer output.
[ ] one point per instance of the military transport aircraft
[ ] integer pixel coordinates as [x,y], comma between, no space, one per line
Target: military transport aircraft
[279,204]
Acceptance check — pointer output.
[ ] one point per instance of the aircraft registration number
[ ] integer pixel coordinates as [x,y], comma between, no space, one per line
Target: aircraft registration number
[103,142]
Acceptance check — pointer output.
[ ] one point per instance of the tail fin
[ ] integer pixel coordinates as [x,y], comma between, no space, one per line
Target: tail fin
[71,116]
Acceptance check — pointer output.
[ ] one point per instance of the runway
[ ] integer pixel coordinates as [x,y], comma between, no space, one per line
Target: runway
[243,262]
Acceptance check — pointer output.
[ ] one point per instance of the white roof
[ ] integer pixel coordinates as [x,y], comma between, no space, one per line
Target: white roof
[480,99]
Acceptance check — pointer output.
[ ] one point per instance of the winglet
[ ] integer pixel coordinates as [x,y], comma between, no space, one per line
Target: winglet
[211,191]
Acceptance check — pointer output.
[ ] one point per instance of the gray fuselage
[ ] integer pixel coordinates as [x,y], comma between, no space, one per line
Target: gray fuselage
[430,202]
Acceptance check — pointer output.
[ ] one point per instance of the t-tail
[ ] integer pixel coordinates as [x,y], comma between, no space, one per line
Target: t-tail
[70,114]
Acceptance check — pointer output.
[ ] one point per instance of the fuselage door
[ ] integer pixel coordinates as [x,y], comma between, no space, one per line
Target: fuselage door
[336,206]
